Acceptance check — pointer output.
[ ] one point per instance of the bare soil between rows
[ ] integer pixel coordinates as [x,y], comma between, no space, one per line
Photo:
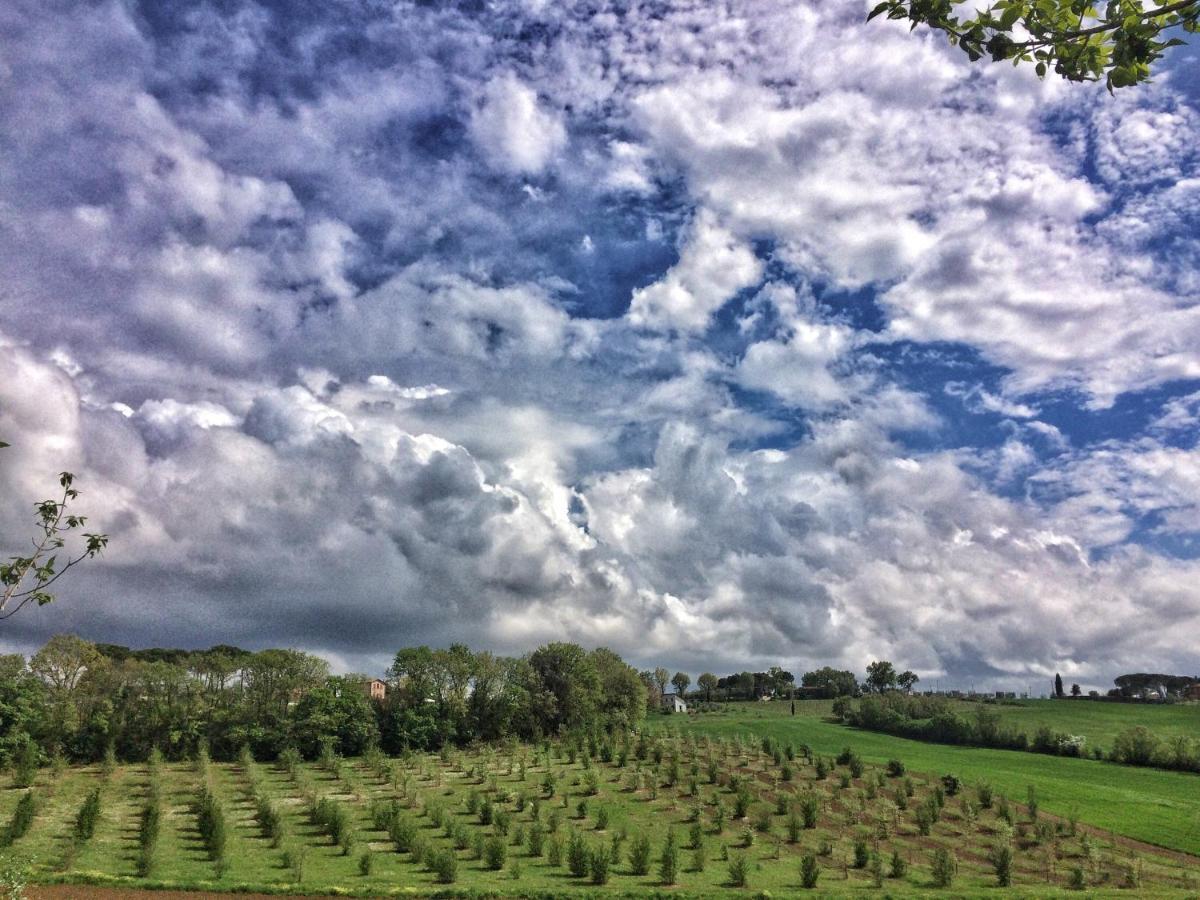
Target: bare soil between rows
[96,892]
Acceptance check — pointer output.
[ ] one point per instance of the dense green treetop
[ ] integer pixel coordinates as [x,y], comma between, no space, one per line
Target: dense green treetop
[571,679]
[622,700]
[831,682]
[881,676]
[680,681]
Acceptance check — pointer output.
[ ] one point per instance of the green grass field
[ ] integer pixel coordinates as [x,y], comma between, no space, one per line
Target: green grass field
[1158,807]
[1098,721]
[436,795]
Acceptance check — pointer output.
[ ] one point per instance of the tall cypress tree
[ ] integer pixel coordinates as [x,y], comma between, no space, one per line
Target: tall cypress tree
[1058,685]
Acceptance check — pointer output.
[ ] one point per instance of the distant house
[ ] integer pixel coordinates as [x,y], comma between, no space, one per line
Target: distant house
[673,703]
[374,688]
[765,698]
[1192,691]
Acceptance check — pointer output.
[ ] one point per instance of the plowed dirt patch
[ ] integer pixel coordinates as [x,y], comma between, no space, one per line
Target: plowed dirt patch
[93,892]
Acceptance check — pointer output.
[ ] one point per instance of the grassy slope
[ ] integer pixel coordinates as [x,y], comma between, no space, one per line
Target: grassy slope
[1161,808]
[1099,722]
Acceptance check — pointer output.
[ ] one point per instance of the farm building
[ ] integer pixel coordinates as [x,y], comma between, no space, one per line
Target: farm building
[374,688]
[673,703]
[1192,691]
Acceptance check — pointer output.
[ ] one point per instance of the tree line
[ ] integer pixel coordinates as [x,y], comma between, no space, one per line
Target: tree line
[83,700]
[1136,684]
[709,687]
[824,683]
[934,719]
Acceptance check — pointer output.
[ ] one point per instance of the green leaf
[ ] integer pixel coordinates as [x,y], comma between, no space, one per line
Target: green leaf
[880,8]
[1010,17]
[1121,77]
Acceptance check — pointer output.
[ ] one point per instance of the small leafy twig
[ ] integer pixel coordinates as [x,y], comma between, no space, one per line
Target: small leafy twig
[26,579]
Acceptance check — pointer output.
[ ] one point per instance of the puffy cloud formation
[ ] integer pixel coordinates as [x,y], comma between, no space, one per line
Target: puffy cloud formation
[712,267]
[512,131]
[724,336]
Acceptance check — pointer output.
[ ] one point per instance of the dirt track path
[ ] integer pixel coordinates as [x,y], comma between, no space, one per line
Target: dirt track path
[91,892]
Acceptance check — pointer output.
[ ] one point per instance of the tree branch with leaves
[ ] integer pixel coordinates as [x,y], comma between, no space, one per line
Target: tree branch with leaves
[1077,40]
[27,579]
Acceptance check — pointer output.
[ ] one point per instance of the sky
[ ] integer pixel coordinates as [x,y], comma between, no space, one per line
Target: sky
[723,334]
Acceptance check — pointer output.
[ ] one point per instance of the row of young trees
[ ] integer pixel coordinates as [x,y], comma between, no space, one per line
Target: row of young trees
[79,699]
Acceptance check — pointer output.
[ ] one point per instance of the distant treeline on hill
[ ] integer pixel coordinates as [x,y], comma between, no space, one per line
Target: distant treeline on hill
[119,653]
[934,719]
[824,683]
[1140,684]
[79,699]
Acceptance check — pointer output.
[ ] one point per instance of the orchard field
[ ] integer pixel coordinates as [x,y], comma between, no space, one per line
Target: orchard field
[696,813]
[1149,805]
